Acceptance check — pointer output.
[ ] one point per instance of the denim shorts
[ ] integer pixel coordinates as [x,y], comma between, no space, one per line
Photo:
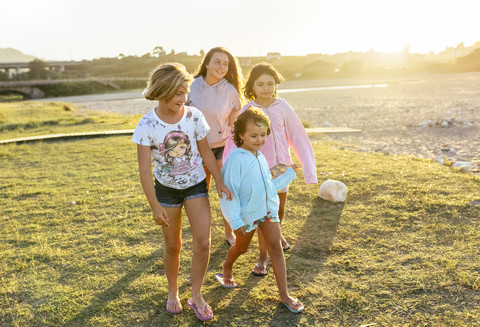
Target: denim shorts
[218,152]
[173,198]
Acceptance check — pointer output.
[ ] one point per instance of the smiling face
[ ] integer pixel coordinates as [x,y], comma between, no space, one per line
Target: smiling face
[264,87]
[179,150]
[175,104]
[217,68]
[254,137]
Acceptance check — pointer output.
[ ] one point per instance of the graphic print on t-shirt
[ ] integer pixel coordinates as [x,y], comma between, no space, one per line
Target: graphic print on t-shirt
[179,159]
[174,147]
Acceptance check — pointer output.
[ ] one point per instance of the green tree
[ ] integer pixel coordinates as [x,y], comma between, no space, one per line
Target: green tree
[38,69]
[3,76]
[158,51]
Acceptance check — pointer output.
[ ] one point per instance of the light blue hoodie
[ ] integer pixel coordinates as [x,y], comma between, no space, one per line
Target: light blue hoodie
[254,192]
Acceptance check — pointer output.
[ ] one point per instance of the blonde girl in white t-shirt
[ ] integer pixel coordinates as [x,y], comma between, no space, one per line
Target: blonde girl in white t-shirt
[174,135]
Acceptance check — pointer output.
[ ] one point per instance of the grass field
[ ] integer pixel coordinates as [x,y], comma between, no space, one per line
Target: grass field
[79,248]
[21,119]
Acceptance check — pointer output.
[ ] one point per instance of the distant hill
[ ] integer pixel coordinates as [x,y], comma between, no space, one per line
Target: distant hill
[470,62]
[13,55]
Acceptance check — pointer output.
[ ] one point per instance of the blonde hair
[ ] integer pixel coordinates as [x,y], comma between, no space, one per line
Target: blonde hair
[165,80]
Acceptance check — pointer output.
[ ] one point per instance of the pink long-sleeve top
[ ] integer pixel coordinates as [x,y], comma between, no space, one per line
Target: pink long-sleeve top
[286,132]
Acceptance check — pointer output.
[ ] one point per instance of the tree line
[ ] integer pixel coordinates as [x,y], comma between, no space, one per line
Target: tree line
[352,64]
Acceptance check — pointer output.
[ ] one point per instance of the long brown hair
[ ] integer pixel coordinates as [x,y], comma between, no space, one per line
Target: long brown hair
[257,71]
[234,75]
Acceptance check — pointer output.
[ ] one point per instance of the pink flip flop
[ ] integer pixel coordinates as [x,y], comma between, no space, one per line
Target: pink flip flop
[199,316]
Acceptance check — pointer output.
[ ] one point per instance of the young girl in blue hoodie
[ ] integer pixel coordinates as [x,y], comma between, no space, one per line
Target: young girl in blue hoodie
[254,200]
[216,93]
[287,134]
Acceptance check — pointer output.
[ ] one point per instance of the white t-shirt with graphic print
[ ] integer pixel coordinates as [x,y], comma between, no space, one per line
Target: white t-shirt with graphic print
[177,161]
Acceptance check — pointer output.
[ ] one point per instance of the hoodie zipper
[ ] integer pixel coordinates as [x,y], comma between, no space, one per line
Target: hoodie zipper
[264,185]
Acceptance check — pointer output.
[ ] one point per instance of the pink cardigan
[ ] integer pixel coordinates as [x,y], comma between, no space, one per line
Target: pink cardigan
[286,132]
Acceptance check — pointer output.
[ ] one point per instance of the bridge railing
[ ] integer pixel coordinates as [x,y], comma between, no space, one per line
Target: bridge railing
[102,80]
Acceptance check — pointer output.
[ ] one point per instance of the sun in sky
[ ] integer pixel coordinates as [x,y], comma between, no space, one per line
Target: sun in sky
[391,26]
[87,29]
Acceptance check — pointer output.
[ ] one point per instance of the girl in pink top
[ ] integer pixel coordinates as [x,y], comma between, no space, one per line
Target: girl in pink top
[287,132]
[216,93]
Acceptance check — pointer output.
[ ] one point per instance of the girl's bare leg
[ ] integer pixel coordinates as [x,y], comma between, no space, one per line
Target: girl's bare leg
[239,248]
[282,197]
[198,213]
[228,230]
[271,232]
[208,178]
[229,233]
[263,257]
[171,256]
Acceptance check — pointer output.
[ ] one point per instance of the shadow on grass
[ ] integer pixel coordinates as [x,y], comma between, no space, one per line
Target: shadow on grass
[315,239]
[304,262]
[113,292]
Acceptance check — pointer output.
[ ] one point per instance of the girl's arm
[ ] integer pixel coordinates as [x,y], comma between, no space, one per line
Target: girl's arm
[237,106]
[145,170]
[233,177]
[298,140]
[233,117]
[230,144]
[285,179]
[211,164]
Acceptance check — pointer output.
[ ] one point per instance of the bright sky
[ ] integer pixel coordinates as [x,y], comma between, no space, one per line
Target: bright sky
[87,29]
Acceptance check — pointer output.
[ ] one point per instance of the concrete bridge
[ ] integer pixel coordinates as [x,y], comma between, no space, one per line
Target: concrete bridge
[24,89]
[15,68]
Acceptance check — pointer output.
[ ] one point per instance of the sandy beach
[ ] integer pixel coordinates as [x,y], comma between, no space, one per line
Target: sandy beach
[416,115]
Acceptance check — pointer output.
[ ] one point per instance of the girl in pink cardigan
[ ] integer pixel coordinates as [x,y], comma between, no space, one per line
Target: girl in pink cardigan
[287,132]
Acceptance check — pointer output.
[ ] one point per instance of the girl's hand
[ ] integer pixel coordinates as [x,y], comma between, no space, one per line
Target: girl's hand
[160,216]
[294,167]
[240,231]
[221,188]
